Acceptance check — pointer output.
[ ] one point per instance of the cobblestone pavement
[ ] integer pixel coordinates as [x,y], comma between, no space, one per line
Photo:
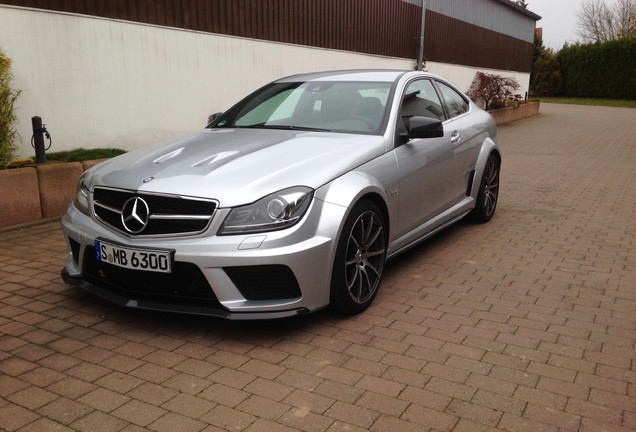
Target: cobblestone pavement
[523,324]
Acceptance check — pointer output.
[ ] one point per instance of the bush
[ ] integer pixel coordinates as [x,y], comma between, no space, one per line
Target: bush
[8,119]
[546,79]
[494,91]
[600,70]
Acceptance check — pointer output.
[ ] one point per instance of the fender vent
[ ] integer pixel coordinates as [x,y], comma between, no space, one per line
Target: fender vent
[471,179]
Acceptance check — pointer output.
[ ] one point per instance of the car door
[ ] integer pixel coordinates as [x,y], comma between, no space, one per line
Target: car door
[432,175]
[465,136]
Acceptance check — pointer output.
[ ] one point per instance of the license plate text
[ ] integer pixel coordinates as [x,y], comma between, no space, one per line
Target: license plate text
[131,258]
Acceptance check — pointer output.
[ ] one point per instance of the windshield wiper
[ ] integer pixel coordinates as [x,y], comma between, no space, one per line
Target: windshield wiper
[285,127]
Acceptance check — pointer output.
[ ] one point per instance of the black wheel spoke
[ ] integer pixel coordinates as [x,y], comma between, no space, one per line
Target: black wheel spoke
[375,270]
[369,242]
[376,253]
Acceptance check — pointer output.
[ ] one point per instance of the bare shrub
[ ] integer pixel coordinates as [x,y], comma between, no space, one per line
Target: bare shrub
[492,91]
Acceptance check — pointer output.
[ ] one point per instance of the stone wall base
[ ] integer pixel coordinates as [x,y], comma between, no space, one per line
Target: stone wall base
[39,192]
[508,115]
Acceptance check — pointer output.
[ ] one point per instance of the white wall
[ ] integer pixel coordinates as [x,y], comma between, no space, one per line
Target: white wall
[462,76]
[106,83]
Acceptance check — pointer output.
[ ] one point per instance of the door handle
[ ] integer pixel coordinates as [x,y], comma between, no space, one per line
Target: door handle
[455,137]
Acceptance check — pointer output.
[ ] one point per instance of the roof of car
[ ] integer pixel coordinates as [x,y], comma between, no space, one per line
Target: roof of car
[387,75]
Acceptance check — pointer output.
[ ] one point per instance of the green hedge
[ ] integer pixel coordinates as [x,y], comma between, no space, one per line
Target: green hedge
[8,118]
[600,70]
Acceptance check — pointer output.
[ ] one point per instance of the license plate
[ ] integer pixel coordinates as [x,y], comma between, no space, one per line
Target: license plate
[155,260]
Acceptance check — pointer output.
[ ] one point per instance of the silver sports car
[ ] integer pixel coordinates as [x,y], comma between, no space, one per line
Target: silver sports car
[290,201]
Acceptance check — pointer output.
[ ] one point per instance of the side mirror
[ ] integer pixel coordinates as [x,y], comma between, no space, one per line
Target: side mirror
[423,127]
[213,117]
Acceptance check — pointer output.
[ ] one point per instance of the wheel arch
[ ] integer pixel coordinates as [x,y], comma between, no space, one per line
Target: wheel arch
[356,277]
[352,188]
[378,201]
[488,148]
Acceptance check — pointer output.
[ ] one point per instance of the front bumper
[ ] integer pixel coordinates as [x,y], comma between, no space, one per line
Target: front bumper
[184,308]
[272,275]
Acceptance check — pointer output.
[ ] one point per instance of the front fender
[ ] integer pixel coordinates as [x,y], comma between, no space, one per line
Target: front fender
[346,190]
[381,187]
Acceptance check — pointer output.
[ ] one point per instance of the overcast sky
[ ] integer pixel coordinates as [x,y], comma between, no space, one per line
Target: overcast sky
[558,20]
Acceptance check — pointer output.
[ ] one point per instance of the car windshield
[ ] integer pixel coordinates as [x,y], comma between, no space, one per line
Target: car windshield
[355,107]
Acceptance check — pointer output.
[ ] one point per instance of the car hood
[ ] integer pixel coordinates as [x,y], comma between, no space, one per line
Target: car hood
[238,166]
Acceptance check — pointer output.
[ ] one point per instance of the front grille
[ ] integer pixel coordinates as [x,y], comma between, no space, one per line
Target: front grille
[167,215]
[185,285]
[264,282]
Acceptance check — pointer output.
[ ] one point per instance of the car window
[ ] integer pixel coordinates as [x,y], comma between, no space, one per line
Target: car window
[333,106]
[381,93]
[456,104]
[278,107]
[420,99]
[347,107]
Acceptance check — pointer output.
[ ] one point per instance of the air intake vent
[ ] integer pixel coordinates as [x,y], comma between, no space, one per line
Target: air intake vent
[265,282]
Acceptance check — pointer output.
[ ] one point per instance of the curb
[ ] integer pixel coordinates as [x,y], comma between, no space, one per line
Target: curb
[35,193]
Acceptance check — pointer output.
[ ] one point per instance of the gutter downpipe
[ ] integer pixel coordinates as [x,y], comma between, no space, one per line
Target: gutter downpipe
[420,55]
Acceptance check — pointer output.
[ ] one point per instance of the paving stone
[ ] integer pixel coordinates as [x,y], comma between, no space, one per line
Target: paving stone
[523,324]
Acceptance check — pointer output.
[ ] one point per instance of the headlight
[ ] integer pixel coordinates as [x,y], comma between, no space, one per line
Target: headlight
[81,196]
[274,212]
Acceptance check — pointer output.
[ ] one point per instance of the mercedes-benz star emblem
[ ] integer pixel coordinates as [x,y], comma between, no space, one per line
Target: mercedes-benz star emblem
[135,215]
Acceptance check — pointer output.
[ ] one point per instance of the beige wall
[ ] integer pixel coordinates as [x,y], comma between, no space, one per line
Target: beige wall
[104,83]
[463,76]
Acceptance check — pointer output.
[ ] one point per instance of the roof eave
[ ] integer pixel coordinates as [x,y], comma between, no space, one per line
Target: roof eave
[520,9]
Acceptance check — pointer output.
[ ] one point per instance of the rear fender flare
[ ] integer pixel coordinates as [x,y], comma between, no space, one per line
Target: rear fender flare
[488,147]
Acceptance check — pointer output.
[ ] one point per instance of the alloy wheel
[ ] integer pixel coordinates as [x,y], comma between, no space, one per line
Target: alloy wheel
[365,257]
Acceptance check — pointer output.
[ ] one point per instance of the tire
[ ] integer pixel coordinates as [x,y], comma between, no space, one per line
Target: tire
[488,194]
[360,258]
